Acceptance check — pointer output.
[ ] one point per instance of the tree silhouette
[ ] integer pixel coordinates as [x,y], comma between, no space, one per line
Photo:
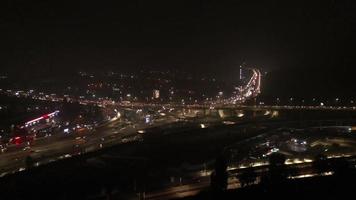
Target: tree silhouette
[341,167]
[277,168]
[247,177]
[321,164]
[219,176]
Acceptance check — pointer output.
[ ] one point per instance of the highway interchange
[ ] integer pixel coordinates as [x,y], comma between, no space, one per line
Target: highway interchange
[60,145]
[118,131]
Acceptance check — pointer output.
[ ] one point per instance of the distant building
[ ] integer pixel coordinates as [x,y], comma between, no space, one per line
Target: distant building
[240,73]
[156,94]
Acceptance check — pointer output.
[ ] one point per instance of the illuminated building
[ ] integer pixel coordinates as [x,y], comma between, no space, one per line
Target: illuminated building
[155,94]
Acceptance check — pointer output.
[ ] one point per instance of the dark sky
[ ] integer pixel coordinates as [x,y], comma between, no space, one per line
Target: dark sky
[192,35]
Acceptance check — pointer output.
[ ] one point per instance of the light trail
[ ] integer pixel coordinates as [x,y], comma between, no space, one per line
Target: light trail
[249,91]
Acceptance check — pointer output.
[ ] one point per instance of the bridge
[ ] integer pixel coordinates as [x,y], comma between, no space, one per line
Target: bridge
[241,94]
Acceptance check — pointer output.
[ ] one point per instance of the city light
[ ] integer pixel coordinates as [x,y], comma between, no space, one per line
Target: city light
[177,99]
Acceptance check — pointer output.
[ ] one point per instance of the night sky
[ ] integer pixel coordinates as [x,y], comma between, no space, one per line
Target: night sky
[214,36]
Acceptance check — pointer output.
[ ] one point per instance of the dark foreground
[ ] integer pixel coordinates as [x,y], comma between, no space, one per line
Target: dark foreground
[84,181]
[275,184]
[320,187]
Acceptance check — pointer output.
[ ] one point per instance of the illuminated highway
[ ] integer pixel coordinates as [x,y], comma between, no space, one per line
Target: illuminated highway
[122,130]
[248,91]
[59,146]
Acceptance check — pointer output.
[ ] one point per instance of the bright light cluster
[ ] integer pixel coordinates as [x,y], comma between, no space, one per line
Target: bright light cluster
[250,90]
[37,120]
